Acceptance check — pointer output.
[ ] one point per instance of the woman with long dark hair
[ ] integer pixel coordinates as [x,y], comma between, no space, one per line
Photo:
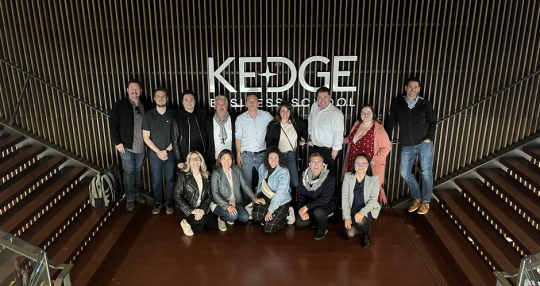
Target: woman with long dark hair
[271,207]
[359,198]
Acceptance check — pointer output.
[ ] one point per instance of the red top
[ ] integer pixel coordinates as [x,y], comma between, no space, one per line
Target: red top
[363,145]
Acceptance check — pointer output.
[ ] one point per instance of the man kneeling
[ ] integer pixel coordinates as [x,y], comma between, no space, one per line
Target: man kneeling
[316,200]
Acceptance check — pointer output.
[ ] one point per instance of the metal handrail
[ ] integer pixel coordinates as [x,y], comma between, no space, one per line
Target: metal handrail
[51,86]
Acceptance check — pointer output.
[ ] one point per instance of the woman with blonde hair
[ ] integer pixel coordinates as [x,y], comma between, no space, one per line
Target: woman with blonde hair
[193,195]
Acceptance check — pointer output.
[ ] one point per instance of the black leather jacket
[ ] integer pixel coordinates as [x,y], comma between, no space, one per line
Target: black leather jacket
[186,193]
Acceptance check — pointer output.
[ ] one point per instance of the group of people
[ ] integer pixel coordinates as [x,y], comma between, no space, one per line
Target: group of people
[217,168]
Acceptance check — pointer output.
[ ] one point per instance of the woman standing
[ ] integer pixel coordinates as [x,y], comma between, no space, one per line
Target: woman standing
[359,198]
[228,188]
[271,208]
[192,196]
[369,137]
[286,133]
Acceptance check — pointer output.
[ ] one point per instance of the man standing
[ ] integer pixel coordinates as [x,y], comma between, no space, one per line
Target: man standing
[417,124]
[125,124]
[157,126]
[188,130]
[325,127]
[250,137]
[220,130]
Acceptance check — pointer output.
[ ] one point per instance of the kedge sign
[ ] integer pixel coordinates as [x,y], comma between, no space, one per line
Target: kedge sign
[215,74]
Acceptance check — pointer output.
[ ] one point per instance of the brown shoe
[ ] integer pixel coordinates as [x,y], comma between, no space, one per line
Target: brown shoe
[414,206]
[423,209]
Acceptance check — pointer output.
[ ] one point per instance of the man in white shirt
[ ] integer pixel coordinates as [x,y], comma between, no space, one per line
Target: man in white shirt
[325,128]
[220,130]
[250,137]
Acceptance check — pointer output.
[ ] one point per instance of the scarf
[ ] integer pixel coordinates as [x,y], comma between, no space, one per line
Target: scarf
[312,184]
[221,122]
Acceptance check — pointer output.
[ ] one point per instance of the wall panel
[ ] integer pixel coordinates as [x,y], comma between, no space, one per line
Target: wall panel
[462,50]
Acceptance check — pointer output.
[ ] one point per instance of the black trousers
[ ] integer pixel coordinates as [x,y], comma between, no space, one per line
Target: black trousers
[279,216]
[317,216]
[207,222]
[363,226]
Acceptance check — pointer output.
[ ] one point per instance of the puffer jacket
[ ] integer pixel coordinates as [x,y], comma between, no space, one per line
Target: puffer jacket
[186,194]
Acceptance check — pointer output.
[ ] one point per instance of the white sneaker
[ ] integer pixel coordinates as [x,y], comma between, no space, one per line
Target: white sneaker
[221,224]
[186,228]
[249,209]
[230,222]
[291,218]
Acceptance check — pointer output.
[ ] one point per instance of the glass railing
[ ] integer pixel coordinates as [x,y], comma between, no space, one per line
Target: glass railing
[21,263]
[528,273]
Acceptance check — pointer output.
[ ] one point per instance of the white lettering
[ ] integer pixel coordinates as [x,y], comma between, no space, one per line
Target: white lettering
[302,73]
[338,73]
[292,79]
[244,74]
[217,74]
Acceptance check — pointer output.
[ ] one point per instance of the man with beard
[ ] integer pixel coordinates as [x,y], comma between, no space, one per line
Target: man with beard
[125,124]
[157,124]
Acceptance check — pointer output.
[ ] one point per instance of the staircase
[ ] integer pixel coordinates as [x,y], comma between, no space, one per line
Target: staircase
[488,221]
[44,201]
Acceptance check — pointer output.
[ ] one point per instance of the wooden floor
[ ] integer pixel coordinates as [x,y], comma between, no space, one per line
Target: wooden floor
[160,254]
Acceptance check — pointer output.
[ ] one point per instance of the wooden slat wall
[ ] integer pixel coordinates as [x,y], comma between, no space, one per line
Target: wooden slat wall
[462,50]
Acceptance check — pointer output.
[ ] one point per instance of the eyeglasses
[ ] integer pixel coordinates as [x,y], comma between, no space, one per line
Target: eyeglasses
[138,111]
[316,163]
[195,159]
[361,164]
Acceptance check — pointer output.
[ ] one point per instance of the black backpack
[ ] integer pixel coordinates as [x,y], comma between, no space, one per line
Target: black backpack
[106,187]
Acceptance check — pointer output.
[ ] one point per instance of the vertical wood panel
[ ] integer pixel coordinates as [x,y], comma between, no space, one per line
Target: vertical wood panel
[462,51]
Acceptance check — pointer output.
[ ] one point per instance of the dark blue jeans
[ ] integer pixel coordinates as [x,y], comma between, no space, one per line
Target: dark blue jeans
[242,214]
[160,168]
[424,152]
[131,162]
[290,157]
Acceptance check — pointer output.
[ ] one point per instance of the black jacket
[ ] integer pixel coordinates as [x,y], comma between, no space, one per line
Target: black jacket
[415,124]
[121,122]
[273,132]
[186,194]
[211,152]
[320,197]
[180,133]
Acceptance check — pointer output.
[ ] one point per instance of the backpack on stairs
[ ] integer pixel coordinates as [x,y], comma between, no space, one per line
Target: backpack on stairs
[106,187]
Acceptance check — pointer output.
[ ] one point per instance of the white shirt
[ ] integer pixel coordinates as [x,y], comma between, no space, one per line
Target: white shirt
[326,126]
[284,145]
[198,179]
[217,141]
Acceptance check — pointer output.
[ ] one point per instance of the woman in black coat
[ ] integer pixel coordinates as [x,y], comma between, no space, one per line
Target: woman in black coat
[287,133]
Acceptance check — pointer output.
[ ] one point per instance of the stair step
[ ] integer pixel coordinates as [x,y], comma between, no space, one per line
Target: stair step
[498,251]
[18,218]
[104,248]
[25,155]
[507,220]
[527,170]
[69,245]
[8,142]
[517,193]
[19,184]
[460,254]
[47,229]
[533,151]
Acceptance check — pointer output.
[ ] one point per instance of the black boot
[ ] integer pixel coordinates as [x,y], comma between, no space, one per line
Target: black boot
[365,241]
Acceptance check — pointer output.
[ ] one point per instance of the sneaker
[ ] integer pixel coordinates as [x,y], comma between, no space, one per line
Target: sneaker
[186,228]
[366,241]
[414,206]
[230,222]
[320,234]
[130,206]
[170,209]
[424,208]
[291,218]
[157,208]
[330,215]
[221,224]
[249,209]
[140,199]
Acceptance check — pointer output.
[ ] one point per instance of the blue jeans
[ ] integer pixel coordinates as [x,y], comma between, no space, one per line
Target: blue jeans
[290,157]
[224,215]
[250,161]
[168,167]
[131,162]
[424,151]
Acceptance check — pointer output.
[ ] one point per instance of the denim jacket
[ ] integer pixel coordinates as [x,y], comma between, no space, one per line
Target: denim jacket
[279,183]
